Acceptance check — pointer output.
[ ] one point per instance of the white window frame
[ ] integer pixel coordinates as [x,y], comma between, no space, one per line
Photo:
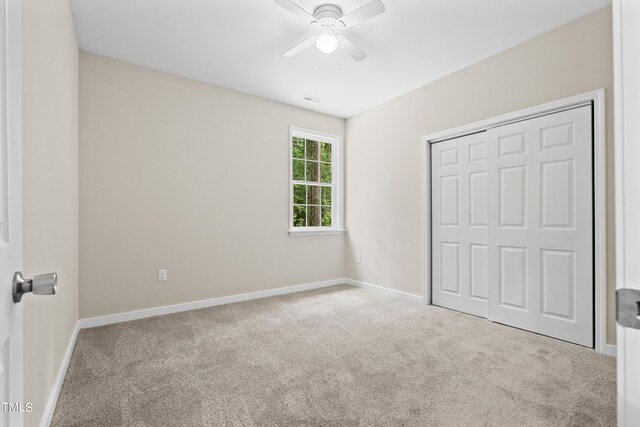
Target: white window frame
[337,201]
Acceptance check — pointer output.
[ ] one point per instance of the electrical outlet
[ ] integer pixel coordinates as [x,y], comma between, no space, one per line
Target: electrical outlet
[162,275]
[358,259]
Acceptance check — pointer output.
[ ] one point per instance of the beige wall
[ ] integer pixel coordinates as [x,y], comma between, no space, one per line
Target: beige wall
[189,177]
[50,190]
[383,175]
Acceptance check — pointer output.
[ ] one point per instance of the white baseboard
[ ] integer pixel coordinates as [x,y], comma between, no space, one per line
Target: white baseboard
[47,416]
[387,291]
[610,350]
[194,305]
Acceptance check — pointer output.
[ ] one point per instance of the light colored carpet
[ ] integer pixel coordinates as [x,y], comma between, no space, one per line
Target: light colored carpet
[336,356]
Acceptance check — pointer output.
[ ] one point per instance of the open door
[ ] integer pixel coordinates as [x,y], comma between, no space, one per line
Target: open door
[13,404]
[626,36]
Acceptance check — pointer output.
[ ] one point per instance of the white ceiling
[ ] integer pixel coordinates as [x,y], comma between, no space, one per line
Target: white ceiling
[238,43]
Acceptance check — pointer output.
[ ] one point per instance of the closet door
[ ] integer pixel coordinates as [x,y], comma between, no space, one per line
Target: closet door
[459,224]
[540,226]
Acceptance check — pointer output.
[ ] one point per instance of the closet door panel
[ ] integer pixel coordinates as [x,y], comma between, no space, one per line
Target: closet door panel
[540,227]
[459,224]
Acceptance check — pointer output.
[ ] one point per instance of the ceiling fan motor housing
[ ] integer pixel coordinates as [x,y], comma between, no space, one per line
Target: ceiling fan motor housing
[328,15]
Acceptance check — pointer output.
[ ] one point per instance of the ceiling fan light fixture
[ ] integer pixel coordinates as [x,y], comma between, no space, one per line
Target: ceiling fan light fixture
[327,43]
[332,22]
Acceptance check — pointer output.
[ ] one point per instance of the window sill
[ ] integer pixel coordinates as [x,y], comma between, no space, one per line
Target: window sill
[315,232]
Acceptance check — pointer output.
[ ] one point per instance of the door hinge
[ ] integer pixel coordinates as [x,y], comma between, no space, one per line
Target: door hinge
[628,308]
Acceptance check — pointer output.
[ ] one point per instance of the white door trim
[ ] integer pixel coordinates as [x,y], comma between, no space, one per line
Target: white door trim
[597,98]
[618,147]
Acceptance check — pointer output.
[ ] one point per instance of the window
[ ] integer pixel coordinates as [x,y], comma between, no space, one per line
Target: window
[314,183]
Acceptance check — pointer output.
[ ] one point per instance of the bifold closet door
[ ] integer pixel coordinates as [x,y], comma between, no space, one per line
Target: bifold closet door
[459,224]
[540,229]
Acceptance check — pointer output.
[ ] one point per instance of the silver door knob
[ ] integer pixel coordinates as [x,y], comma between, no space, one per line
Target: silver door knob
[44,284]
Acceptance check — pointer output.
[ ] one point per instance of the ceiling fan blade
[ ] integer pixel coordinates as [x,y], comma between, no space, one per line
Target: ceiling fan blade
[352,50]
[300,47]
[296,10]
[369,10]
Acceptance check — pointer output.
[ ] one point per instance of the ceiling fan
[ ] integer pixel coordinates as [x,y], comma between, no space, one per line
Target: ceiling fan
[331,22]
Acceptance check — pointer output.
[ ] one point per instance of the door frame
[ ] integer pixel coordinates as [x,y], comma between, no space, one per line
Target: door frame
[595,98]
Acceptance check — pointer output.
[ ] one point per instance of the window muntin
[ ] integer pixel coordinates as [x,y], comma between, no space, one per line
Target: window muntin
[313,182]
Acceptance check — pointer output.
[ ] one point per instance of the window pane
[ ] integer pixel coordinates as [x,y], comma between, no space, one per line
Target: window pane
[326,152]
[326,196]
[314,216]
[312,150]
[312,186]
[299,194]
[326,216]
[298,170]
[299,216]
[325,172]
[314,195]
[312,172]
[298,148]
